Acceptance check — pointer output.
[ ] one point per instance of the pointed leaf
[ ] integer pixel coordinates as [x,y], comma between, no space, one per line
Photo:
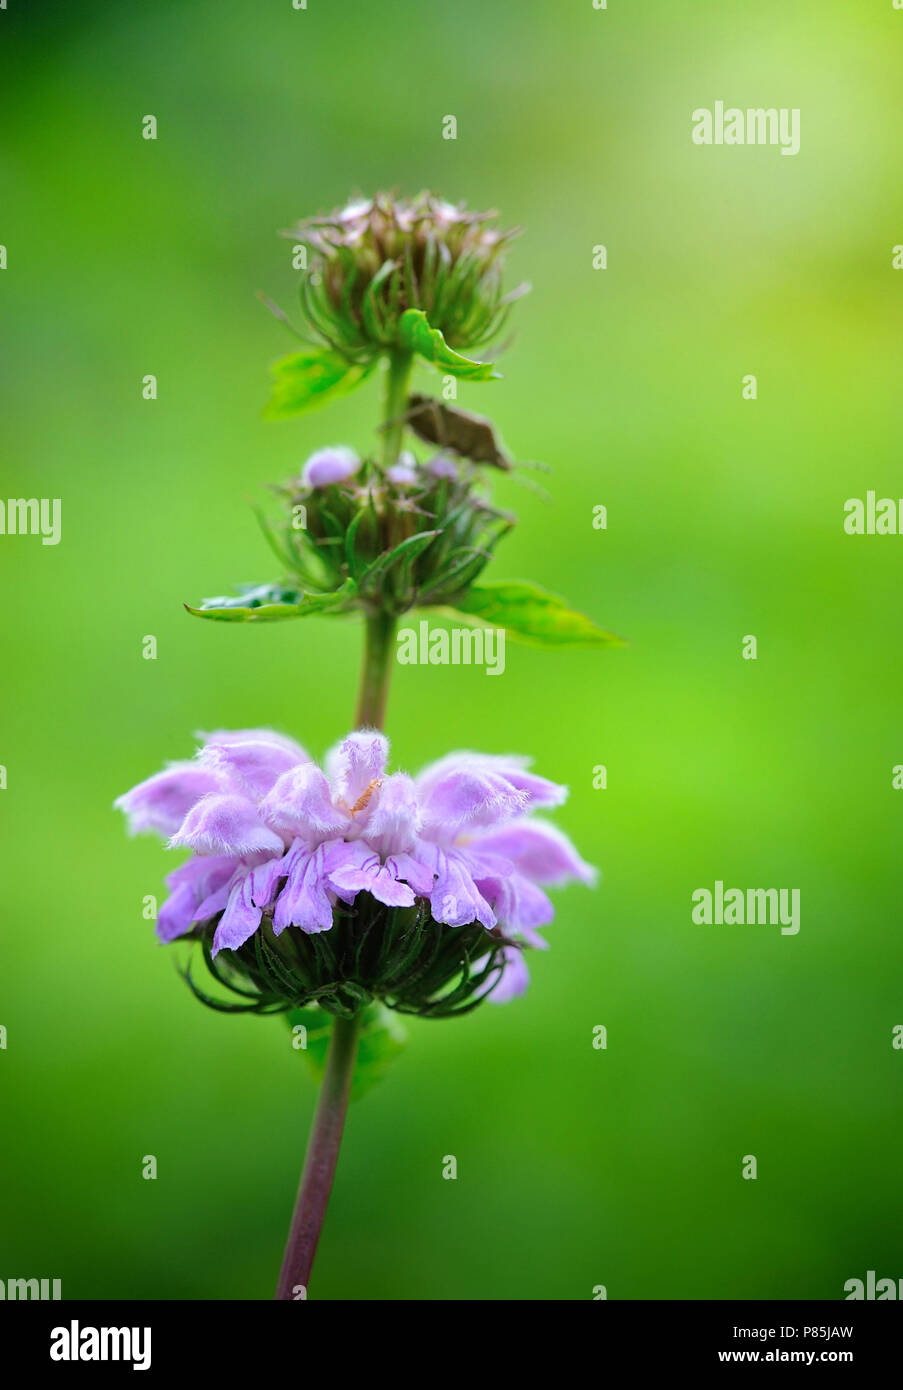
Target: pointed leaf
[418,336]
[534,615]
[270,602]
[307,379]
[406,551]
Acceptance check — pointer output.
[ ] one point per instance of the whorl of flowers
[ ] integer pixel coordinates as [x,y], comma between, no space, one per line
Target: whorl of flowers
[445,871]
[418,533]
[415,534]
[377,258]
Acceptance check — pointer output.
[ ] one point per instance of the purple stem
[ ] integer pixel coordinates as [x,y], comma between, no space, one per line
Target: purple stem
[320,1163]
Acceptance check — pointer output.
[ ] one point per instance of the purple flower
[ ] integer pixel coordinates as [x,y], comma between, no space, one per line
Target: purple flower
[163,801]
[514,979]
[272,832]
[441,466]
[334,465]
[404,473]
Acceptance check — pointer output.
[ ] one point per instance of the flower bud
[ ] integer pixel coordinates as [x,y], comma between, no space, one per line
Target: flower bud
[327,466]
[376,258]
[411,535]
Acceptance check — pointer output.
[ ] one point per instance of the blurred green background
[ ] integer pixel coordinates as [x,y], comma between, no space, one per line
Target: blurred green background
[576,1167]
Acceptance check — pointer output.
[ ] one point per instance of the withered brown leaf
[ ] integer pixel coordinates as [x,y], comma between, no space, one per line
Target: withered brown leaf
[472,436]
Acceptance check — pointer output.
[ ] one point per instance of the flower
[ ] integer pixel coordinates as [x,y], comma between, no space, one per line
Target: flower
[280,845]
[403,473]
[441,466]
[333,465]
[378,257]
[378,513]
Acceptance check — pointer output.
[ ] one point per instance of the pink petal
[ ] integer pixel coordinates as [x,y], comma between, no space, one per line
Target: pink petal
[541,851]
[363,872]
[191,884]
[240,919]
[355,764]
[303,901]
[251,764]
[162,802]
[300,804]
[392,818]
[466,799]
[539,791]
[409,868]
[223,736]
[514,979]
[264,878]
[518,904]
[226,825]
[455,899]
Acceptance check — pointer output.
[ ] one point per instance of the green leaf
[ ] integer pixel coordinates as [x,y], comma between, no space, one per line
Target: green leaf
[382,1037]
[307,379]
[405,552]
[267,603]
[418,336]
[534,615]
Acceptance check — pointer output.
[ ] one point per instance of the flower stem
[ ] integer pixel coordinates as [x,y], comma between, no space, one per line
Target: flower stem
[376,672]
[400,364]
[320,1163]
[329,1121]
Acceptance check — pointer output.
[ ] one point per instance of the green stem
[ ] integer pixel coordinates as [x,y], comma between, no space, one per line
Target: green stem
[397,377]
[380,626]
[379,637]
[320,1163]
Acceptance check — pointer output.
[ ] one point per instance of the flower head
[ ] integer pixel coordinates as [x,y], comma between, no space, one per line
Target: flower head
[429,887]
[412,534]
[376,258]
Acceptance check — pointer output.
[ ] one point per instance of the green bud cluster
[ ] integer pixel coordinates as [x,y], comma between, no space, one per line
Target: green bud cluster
[375,259]
[389,547]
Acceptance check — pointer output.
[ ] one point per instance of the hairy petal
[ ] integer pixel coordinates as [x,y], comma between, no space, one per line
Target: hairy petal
[392,818]
[253,763]
[468,799]
[540,851]
[300,805]
[162,802]
[355,764]
[248,735]
[539,791]
[226,824]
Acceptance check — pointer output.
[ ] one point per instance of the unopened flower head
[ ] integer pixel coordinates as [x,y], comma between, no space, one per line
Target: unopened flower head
[417,533]
[347,882]
[378,257]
